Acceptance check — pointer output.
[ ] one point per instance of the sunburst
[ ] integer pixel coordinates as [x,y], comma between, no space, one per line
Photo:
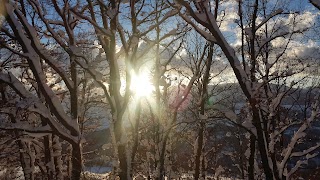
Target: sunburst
[141,85]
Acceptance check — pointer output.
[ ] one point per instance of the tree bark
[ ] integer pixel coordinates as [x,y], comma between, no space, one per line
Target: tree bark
[47,157]
[257,122]
[198,152]
[202,127]
[123,174]
[121,149]
[76,162]
[251,157]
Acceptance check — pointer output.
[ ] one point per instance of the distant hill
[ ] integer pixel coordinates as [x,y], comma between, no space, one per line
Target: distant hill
[295,95]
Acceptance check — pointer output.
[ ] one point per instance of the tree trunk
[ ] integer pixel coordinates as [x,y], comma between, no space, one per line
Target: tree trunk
[203,166]
[76,158]
[199,147]
[47,153]
[135,132]
[20,145]
[251,157]
[257,121]
[202,128]
[56,150]
[161,170]
[162,158]
[124,172]
[47,157]
[76,161]
[28,162]
[21,156]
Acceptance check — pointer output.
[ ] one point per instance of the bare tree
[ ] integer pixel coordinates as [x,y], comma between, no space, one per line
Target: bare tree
[25,38]
[252,76]
[113,32]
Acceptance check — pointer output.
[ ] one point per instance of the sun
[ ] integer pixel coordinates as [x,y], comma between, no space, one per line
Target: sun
[141,85]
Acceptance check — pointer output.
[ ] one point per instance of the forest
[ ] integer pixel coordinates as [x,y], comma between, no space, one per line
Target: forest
[159,89]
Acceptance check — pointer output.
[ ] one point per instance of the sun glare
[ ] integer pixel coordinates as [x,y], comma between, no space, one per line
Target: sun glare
[141,85]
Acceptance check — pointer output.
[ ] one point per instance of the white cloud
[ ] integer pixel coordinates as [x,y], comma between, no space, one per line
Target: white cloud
[304,51]
[229,10]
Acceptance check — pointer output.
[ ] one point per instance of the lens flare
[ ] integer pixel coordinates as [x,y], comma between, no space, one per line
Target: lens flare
[141,85]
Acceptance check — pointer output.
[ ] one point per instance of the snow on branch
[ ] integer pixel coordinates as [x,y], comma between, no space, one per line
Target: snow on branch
[38,106]
[203,33]
[26,127]
[295,168]
[300,162]
[208,20]
[287,152]
[275,103]
[316,3]
[102,31]
[150,44]
[36,6]
[31,45]
[306,151]
[96,75]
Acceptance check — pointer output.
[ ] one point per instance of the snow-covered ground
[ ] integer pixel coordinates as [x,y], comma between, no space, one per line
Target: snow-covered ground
[95,176]
[98,169]
[92,173]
